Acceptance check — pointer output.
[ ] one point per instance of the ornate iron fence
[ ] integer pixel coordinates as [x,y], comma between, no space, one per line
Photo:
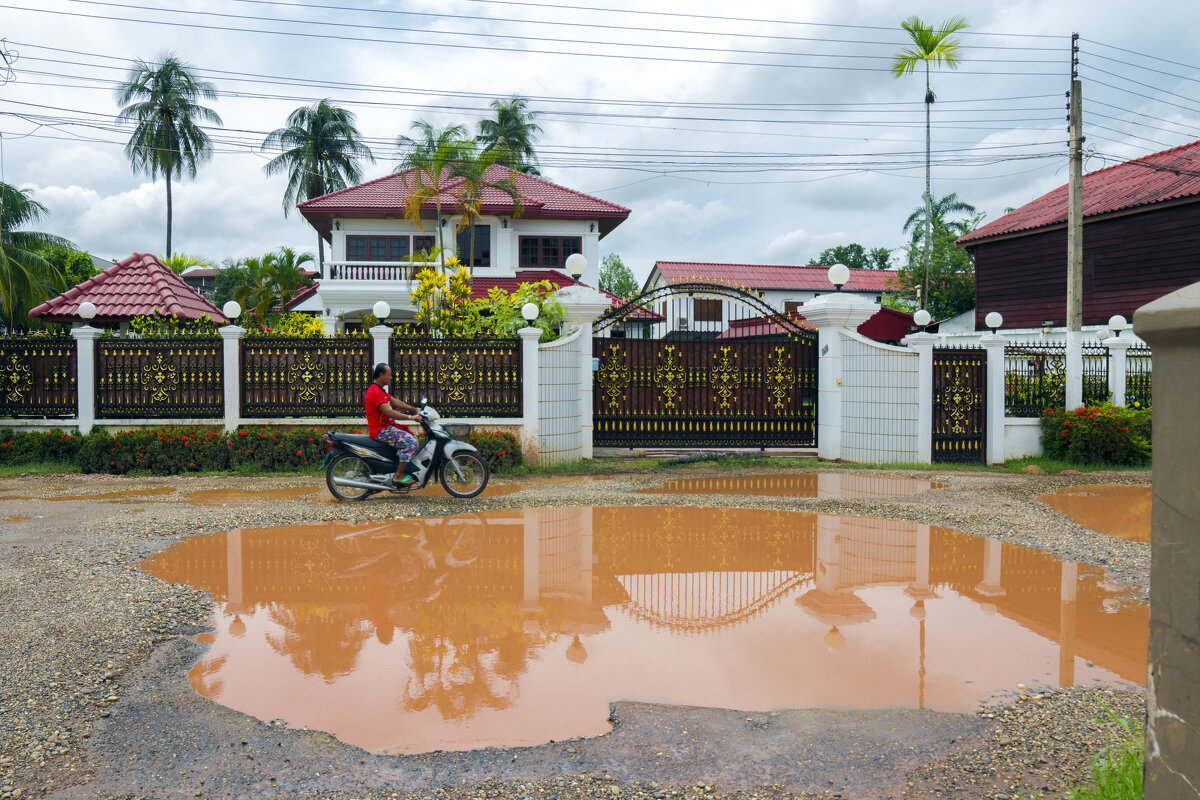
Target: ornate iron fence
[172,378]
[461,377]
[1137,377]
[291,377]
[1035,378]
[959,405]
[1095,374]
[37,376]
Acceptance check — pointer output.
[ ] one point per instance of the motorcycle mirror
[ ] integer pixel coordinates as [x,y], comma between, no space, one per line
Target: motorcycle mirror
[424,401]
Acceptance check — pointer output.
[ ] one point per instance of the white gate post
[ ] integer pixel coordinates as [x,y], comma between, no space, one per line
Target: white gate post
[923,343]
[1074,376]
[831,313]
[994,344]
[381,336]
[582,305]
[530,398]
[1118,363]
[231,373]
[85,375]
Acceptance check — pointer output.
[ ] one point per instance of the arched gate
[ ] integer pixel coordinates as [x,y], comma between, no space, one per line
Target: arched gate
[703,365]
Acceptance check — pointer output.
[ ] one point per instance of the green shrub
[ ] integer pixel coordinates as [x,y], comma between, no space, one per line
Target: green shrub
[159,451]
[273,450]
[34,447]
[501,450]
[1097,435]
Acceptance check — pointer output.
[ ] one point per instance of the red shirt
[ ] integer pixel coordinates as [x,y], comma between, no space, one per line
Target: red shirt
[376,421]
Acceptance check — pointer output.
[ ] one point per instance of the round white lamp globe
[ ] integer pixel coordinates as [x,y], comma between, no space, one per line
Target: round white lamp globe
[994,320]
[87,309]
[1117,323]
[576,265]
[232,310]
[529,311]
[922,317]
[1103,334]
[839,274]
[381,310]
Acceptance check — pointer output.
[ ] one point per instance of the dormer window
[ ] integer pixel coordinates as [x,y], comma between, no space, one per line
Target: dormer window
[548,251]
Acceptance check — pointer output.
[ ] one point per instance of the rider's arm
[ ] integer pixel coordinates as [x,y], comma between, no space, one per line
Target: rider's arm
[400,405]
[387,410]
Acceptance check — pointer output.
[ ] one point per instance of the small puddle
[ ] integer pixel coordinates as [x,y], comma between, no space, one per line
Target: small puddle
[16,519]
[517,627]
[1119,510]
[829,485]
[241,497]
[122,495]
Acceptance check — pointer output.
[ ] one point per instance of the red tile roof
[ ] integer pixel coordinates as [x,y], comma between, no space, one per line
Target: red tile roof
[1156,178]
[139,285]
[539,197]
[771,276]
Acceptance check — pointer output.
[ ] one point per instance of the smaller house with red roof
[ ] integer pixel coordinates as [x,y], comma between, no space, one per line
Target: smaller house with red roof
[137,286]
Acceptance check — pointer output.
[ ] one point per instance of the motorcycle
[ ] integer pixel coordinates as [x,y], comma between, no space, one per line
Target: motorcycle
[359,466]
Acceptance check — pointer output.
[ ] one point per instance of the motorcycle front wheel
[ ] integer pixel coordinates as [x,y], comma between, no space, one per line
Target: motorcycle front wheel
[474,474]
[352,468]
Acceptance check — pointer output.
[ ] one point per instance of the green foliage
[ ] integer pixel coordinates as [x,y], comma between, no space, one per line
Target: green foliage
[75,266]
[37,447]
[951,275]
[470,169]
[295,324]
[854,256]
[617,278]
[1097,435]
[500,314]
[263,283]
[501,450]
[26,278]
[178,262]
[230,281]
[512,131]
[444,305]
[1117,769]
[158,326]
[274,451]
[161,451]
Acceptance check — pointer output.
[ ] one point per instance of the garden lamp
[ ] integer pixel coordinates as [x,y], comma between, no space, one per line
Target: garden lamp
[921,319]
[381,310]
[232,310]
[530,312]
[1117,323]
[576,265]
[839,274]
[994,320]
[87,310]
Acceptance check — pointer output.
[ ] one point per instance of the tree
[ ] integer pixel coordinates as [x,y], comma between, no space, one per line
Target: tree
[929,47]
[471,169]
[178,262]
[74,265]
[285,276]
[321,149]
[431,158]
[855,256]
[27,278]
[230,281]
[951,274]
[512,132]
[935,214]
[617,278]
[266,281]
[161,100]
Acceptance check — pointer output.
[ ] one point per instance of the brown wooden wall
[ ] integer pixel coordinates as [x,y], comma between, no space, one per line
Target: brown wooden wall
[1127,262]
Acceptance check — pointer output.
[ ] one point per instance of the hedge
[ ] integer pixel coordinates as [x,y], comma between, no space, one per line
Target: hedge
[1097,435]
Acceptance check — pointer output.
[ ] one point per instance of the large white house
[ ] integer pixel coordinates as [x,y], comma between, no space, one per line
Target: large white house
[371,241]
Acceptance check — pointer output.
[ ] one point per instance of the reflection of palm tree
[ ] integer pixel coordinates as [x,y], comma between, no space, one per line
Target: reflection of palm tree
[319,641]
[453,678]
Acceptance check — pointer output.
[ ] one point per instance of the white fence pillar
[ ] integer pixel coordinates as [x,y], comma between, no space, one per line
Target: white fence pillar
[923,343]
[231,371]
[1118,364]
[830,313]
[1074,375]
[582,305]
[381,336]
[994,402]
[530,398]
[85,374]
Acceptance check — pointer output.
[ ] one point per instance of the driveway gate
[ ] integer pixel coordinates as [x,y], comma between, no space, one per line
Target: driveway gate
[959,405]
[702,365]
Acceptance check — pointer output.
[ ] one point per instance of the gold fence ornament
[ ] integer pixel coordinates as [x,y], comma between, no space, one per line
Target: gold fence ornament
[306,378]
[780,377]
[455,377]
[160,379]
[958,397]
[613,376]
[669,375]
[15,379]
[725,377]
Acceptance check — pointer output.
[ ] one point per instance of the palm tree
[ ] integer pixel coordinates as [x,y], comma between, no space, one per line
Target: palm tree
[255,292]
[513,132]
[26,278]
[286,279]
[929,47]
[935,213]
[472,171]
[161,99]
[431,157]
[321,147]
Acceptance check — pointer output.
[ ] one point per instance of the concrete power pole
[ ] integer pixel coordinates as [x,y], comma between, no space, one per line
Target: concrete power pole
[1074,388]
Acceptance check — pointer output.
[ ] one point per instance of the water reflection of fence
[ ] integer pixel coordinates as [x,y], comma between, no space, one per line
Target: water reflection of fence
[287,377]
[37,376]
[461,377]
[169,378]
[1137,377]
[691,602]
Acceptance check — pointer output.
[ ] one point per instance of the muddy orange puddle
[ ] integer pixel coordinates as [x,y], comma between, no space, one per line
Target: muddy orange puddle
[832,485]
[16,519]
[237,497]
[122,495]
[517,627]
[1115,509]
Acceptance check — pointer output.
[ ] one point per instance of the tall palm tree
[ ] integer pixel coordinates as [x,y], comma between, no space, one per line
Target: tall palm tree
[161,99]
[929,47]
[513,132]
[26,278]
[431,156]
[935,213]
[472,171]
[321,149]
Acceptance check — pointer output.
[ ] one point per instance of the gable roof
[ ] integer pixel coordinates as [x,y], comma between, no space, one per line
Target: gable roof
[139,285]
[539,197]
[770,276]
[1159,177]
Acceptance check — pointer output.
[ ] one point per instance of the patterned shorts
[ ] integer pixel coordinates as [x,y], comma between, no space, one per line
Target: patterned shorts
[404,442]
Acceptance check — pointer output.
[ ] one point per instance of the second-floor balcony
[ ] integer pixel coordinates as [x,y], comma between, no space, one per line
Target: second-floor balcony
[373,270]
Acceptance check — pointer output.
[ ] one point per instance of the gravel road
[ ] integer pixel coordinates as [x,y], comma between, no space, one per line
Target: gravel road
[94,699]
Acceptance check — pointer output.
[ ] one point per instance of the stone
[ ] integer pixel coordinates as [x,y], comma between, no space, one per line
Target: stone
[1033,469]
[1070,472]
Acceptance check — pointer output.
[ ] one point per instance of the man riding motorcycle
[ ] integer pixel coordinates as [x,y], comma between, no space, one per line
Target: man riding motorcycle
[384,414]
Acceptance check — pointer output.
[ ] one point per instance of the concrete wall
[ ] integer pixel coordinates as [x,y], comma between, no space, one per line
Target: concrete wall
[1022,437]
[559,425]
[880,400]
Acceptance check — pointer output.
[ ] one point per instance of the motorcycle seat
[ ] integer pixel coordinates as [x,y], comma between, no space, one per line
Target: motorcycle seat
[383,448]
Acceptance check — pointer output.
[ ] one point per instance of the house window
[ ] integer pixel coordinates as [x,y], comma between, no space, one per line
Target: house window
[548,251]
[706,310]
[483,246]
[426,243]
[377,248]
[356,248]
[792,307]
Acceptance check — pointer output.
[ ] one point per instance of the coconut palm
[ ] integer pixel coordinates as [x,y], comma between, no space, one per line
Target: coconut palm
[431,158]
[512,131]
[478,170]
[271,280]
[26,278]
[935,213]
[284,274]
[929,47]
[321,150]
[161,99]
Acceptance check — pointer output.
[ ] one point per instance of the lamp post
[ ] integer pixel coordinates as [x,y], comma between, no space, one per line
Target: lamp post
[381,310]
[993,320]
[530,312]
[576,266]
[232,310]
[87,310]
[921,319]
[839,275]
[1116,324]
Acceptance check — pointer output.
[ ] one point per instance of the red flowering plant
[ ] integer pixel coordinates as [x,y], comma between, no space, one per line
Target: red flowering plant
[1097,435]
[500,450]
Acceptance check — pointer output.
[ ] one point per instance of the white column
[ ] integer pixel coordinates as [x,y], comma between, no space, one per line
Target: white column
[923,344]
[381,336]
[994,446]
[85,374]
[1074,392]
[991,586]
[231,371]
[530,398]
[531,561]
[1118,352]
[830,313]
[582,305]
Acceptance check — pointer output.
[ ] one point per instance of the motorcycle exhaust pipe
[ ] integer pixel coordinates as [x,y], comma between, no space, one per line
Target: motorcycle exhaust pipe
[361,484]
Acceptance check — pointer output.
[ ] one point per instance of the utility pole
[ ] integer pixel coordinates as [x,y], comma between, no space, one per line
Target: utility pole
[1074,388]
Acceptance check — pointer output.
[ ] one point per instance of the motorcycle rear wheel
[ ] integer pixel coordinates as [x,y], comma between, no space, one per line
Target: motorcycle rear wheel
[351,468]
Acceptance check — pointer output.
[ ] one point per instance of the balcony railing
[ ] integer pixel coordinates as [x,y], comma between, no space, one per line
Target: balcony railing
[371,270]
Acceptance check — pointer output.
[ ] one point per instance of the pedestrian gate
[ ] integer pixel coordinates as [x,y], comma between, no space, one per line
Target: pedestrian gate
[959,405]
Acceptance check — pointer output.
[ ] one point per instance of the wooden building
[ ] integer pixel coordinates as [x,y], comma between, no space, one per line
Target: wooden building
[1141,240]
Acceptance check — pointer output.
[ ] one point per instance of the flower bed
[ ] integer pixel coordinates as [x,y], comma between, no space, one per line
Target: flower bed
[1097,435]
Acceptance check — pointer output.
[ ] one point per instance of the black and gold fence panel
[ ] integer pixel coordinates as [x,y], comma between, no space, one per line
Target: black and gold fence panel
[1095,374]
[1137,377]
[289,377]
[37,376]
[1035,378]
[461,377]
[750,392]
[169,378]
[959,405]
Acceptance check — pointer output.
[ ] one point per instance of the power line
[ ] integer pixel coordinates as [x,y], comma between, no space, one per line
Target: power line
[1145,96]
[1143,55]
[1137,113]
[1139,83]
[1148,69]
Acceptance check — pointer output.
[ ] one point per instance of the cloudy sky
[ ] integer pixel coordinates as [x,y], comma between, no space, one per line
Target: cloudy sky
[762,138]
